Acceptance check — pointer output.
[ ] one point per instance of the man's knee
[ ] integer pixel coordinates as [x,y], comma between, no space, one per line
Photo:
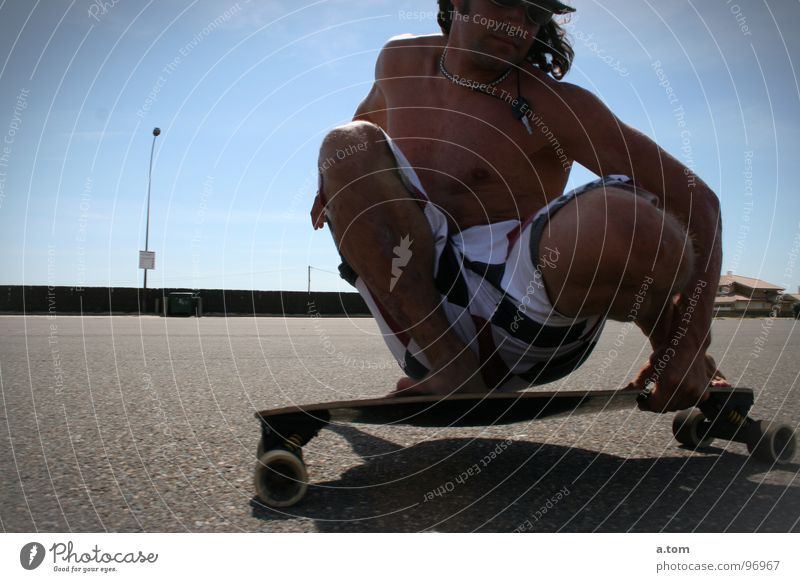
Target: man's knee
[609,241]
[629,237]
[349,150]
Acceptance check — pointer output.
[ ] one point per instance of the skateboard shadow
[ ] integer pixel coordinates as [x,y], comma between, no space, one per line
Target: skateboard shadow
[492,485]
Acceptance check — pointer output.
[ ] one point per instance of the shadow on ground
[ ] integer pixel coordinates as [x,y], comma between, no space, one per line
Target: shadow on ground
[537,487]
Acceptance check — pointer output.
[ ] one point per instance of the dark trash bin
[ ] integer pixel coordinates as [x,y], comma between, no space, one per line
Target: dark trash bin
[181,304]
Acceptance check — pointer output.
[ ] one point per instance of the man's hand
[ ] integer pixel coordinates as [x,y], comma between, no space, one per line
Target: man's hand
[679,371]
[318,213]
[675,379]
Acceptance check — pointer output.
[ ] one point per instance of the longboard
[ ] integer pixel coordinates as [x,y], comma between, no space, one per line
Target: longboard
[458,410]
[281,478]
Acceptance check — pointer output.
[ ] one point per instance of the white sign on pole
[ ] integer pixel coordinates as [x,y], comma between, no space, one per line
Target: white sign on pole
[147,260]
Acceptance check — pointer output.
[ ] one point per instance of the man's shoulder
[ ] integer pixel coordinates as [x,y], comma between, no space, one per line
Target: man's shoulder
[535,79]
[557,93]
[404,52]
[419,41]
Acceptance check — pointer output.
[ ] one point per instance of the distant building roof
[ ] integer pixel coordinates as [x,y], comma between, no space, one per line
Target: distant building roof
[748,282]
[730,298]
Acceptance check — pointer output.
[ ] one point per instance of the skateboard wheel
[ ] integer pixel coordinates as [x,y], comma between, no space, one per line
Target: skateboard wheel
[772,443]
[686,428]
[281,479]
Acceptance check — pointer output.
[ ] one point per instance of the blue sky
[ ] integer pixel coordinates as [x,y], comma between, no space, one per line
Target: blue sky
[244,92]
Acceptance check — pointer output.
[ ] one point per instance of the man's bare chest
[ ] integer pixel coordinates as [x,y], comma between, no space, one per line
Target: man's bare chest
[460,139]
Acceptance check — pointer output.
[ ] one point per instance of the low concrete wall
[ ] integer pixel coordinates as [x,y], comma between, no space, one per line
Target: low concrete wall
[105,300]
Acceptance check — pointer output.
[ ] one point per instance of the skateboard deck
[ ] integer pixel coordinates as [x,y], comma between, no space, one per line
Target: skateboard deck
[281,478]
[458,410]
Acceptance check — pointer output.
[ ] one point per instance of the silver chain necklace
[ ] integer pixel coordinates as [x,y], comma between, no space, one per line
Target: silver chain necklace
[519,106]
[474,85]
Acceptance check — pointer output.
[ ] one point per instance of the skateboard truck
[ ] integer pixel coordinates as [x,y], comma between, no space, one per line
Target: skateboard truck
[726,416]
[281,479]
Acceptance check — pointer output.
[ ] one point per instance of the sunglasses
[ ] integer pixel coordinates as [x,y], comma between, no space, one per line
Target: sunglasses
[536,14]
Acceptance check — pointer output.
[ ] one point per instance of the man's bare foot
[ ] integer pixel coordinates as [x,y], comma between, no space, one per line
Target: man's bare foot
[459,373]
[452,379]
[430,385]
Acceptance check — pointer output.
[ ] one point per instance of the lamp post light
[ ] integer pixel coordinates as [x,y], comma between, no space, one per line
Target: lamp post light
[156,133]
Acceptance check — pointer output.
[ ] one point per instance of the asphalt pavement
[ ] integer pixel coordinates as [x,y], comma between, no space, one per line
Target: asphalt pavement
[125,424]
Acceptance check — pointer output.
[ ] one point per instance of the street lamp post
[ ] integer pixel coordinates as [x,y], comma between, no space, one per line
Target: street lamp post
[156,133]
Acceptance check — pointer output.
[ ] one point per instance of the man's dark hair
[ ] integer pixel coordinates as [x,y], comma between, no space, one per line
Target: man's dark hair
[551,51]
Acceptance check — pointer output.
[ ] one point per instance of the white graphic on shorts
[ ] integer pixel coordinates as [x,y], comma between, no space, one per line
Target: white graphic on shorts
[402,254]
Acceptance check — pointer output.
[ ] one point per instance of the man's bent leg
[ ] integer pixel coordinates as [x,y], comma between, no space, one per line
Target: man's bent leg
[623,257]
[382,233]
[618,254]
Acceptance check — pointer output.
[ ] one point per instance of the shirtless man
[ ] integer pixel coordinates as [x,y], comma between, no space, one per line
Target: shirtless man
[444,197]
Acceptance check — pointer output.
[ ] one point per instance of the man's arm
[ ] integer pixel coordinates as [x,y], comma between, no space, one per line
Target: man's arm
[372,109]
[598,140]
